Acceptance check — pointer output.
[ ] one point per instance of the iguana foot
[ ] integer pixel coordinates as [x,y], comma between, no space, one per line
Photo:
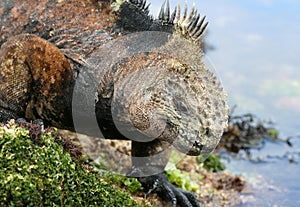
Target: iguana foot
[177,197]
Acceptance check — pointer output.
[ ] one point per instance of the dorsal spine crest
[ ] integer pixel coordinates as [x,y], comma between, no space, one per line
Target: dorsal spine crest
[191,26]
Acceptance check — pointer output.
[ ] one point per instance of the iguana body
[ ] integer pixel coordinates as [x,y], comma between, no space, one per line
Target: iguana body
[41,73]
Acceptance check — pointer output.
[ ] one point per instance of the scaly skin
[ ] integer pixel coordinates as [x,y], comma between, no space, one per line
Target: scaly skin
[159,97]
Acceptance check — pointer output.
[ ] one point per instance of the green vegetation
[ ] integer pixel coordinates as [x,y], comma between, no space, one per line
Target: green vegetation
[211,162]
[38,169]
[181,179]
[131,184]
[274,134]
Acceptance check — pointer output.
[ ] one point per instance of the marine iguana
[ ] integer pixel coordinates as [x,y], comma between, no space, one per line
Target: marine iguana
[158,94]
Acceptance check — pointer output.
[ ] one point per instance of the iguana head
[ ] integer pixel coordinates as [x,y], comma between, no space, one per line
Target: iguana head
[162,90]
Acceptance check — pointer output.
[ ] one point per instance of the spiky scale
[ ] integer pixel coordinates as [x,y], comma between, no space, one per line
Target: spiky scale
[164,14]
[177,16]
[173,15]
[187,24]
[193,24]
[201,29]
[161,15]
[167,15]
[185,10]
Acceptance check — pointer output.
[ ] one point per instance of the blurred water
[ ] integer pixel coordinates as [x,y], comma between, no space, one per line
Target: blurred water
[271,190]
[274,181]
[259,69]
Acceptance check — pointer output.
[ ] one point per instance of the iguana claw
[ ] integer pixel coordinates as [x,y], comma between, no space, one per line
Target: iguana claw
[176,197]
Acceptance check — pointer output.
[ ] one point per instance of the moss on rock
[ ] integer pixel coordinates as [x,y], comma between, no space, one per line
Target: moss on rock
[44,173]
